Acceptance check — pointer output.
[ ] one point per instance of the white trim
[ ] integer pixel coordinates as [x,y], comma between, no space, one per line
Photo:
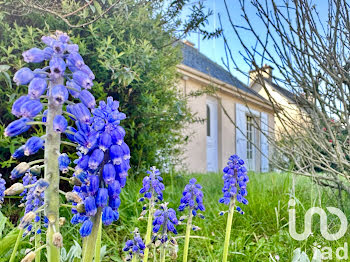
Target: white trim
[264,145]
[212,145]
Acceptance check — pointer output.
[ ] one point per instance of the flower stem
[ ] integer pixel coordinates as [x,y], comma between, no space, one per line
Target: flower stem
[38,161]
[71,115]
[36,123]
[37,242]
[149,228]
[69,143]
[98,244]
[14,251]
[65,178]
[90,241]
[134,258]
[187,236]
[162,253]
[52,147]
[69,132]
[66,205]
[38,249]
[228,229]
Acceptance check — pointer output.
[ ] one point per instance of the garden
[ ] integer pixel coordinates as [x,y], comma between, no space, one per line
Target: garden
[91,137]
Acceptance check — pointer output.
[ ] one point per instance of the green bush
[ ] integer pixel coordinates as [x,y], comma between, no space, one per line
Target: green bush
[130,54]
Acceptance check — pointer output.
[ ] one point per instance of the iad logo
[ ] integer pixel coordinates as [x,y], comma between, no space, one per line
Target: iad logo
[321,253]
[323,222]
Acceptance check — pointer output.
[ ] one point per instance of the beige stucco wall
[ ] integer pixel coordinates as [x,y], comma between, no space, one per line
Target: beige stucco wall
[195,151]
[289,111]
[195,154]
[227,130]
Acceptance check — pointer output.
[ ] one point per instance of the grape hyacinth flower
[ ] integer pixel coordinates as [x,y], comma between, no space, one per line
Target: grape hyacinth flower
[32,191]
[19,170]
[23,76]
[65,66]
[37,87]
[60,124]
[165,217]
[135,247]
[86,228]
[17,127]
[28,179]
[33,145]
[235,182]
[152,185]
[101,178]
[192,197]
[95,131]
[34,200]
[82,79]
[235,189]
[34,55]
[87,99]
[19,152]
[152,189]
[164,222]
[63,162]
[16,106]
[2,189]
[31,108]
[59,94]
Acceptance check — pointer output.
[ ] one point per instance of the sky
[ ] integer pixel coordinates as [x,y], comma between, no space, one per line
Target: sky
[214,48]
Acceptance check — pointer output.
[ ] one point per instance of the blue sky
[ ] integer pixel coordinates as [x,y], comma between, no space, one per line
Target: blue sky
[214,48]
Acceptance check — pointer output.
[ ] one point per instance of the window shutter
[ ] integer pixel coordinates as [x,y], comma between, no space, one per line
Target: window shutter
[264,142]
[241,132]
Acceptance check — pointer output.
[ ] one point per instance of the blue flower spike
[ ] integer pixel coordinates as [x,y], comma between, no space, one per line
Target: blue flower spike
[235,182]
[235,190]
[164,222]
[103,162]
[192,198]
[135,247]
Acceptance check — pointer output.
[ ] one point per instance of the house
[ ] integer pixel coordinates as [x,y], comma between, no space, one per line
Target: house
[288,107]
[238,120]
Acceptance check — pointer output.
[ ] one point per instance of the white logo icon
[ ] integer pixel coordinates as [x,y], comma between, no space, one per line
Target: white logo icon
[323,222]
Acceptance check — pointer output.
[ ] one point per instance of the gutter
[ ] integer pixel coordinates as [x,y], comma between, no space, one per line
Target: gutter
[223,87]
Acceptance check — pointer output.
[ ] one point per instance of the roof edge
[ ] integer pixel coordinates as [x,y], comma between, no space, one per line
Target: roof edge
[228,88]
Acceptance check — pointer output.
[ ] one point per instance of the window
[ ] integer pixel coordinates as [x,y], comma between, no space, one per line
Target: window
[208,120]
[250,137]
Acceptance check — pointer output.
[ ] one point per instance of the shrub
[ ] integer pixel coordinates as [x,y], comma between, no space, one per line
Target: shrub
[130,54]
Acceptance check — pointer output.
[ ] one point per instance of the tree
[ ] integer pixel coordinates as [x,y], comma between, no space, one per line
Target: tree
[311,54]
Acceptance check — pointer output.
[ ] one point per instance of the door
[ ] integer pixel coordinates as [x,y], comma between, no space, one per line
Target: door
[212,135]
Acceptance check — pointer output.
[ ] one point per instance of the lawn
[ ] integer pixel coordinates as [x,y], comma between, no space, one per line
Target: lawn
[258,235]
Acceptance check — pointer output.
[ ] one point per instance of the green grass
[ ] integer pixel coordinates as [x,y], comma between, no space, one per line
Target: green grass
[260,233]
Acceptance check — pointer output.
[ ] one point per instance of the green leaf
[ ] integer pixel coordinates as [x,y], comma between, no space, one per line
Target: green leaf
[103,252]
[3,220]
[93,9]
[74,252]
[4,68]
[299,256]
[8,241]
[7,79]
[98,7]
[63,255]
